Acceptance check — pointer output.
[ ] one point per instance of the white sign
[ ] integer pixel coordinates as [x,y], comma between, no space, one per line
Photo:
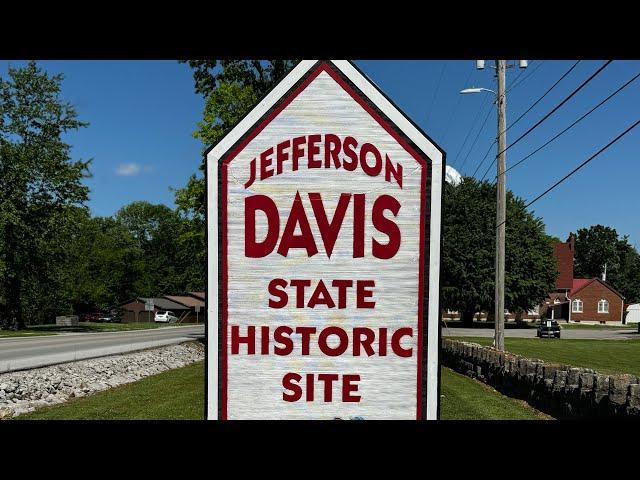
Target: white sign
[327,225]
[149,306]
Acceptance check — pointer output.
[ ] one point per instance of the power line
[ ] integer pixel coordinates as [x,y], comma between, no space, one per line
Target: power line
[539,122]
[583,164]
[575,122]
[552,187]
[435,95]
[533,70]
[473,126]
[544,95]
[571,95]
[513,85]
[478,134]
[455,110]
[483,159]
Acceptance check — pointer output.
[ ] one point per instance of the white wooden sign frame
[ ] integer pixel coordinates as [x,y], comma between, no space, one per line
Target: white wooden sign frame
[428,403]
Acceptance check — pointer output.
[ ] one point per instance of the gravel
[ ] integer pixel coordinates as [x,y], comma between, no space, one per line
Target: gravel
[22,392]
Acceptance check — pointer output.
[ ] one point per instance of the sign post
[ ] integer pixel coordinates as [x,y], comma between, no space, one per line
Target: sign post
[323,228]
[149,306]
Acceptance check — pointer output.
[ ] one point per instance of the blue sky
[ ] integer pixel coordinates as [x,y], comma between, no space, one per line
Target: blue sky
[142,115]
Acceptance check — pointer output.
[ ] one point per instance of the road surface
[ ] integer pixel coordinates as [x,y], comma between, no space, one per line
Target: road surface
[22,353]
[604,334]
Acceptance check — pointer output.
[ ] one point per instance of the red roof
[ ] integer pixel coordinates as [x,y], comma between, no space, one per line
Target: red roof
[579,283]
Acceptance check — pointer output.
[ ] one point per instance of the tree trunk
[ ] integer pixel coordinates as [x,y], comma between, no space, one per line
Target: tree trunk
[12,283]
[467,317]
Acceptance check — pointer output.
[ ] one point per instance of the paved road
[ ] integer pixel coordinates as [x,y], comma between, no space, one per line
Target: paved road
[608,334]
[21,353]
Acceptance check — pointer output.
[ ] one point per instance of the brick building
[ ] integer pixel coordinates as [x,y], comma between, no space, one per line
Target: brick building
[588,300]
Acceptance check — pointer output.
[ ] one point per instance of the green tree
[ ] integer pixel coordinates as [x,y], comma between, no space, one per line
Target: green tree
[156,230]
[598,246]
[468,251]
[230,88]
[38,179]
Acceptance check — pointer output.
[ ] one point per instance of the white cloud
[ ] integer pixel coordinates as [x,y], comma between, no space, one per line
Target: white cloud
[128,169]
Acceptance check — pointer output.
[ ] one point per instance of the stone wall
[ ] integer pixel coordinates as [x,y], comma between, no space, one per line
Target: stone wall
[559,390]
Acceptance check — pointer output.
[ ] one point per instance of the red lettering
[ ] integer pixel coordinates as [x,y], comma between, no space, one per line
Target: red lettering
[237,339]
[372,171]
[362,293]
[305,239]
[358,225]
[321,296]
[384,225]
[342,345]
[300,286]
[280,337]
[312,151]
[252,204]
[328,379]
[348,387]
[369,337]
[305,333]
[348,146]
[329,231]
[331,149]
[290,382]
[297,152]
[281,155]
[280,293]
[342,291]
[395,342]
[265,162]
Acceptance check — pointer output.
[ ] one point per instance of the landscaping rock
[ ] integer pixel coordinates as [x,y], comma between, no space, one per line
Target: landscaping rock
[22,392]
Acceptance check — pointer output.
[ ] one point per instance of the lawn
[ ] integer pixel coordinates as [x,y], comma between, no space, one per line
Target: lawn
[463,398]
[179,395]
[173,395]
[82,327]
[605,356]
[582,326]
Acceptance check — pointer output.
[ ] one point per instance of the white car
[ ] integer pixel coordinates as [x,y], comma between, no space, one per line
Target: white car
[165,317]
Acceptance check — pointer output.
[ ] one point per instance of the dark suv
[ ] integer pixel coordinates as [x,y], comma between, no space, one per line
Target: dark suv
[548,328]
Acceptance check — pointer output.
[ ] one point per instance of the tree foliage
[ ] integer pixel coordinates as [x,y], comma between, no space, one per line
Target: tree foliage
[230,88]
[599,245]
[39,182]
[468,251]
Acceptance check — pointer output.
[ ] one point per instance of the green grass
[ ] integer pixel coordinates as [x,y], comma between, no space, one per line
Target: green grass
[463,398]
[605,356]
[82,327]
[173,395]
[179,395]
[582,326]
[23,333]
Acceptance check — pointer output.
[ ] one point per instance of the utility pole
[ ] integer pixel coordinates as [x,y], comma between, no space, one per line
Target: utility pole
[501,195]
[501,207]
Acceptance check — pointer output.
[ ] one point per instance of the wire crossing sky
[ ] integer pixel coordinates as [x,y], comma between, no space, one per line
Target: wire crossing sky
[142,115]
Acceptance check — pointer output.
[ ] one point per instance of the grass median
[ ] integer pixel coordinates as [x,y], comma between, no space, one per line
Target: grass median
[179,395]
[173,395]
[605,356]
[82,327]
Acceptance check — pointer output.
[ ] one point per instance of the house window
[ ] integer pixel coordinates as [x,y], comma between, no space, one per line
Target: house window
[576,306]
[603,306]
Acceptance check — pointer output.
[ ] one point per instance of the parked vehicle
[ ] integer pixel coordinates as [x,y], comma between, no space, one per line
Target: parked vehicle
[165,316]
[107,319]
[91,317]
[548,328]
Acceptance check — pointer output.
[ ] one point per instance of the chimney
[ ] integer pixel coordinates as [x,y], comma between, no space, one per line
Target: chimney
[572,242]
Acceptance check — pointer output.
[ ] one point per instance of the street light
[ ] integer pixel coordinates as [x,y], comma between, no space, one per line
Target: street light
[476,90]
